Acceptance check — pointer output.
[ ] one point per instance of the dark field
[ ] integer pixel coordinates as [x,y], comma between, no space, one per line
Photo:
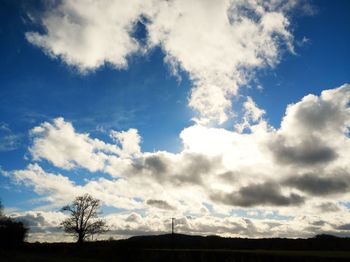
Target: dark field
[185,248]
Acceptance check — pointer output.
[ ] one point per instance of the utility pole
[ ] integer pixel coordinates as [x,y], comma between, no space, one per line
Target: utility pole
[172,225]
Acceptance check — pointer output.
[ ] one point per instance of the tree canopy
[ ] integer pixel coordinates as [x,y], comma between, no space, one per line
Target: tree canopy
[12,232]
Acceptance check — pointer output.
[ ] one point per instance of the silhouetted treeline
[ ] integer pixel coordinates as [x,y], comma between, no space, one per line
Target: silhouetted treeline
[12,233]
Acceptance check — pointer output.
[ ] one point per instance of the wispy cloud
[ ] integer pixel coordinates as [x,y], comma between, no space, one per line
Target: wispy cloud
[8,139]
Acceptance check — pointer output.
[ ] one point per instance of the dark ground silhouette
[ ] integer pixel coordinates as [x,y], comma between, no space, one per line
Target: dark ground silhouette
[180,247]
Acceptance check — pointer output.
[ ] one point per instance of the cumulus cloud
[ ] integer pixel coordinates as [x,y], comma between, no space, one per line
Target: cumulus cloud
[59,143]
[327,114]
[314,128]
[219,44]
[88,34]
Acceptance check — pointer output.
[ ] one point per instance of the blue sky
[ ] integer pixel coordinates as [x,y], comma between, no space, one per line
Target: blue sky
[40,82]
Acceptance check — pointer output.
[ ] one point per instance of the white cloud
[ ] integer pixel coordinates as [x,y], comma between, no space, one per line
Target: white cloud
[315,129]
[88,34]
[325,115]
[219,44]
[56,188]
[252,115]
[130,142]
[59,143]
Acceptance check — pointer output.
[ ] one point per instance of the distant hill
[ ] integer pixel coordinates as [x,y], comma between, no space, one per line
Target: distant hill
[319,242]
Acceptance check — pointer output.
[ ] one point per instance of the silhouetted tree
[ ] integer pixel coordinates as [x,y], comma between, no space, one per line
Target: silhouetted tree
[83,218]
[12,233]
[1,210]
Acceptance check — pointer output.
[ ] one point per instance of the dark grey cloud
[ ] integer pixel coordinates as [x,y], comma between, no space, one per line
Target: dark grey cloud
[329,207]
[37,223]
[32,220]
[161,204]
[188,168]
[266,194]
[228,176]
[317,185]
[133,218]
[156,165]
[194,167]
[318,223]
[310,151]
[344,227]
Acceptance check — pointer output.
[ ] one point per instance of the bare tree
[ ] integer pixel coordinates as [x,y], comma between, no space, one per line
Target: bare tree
[83,218]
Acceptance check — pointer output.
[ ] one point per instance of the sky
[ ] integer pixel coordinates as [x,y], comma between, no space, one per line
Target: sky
[231,116]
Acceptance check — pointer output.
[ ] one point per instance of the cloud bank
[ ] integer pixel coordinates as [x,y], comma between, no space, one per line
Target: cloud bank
[281,179]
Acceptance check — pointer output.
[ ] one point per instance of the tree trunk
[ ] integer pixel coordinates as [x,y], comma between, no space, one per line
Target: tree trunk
[80,238]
